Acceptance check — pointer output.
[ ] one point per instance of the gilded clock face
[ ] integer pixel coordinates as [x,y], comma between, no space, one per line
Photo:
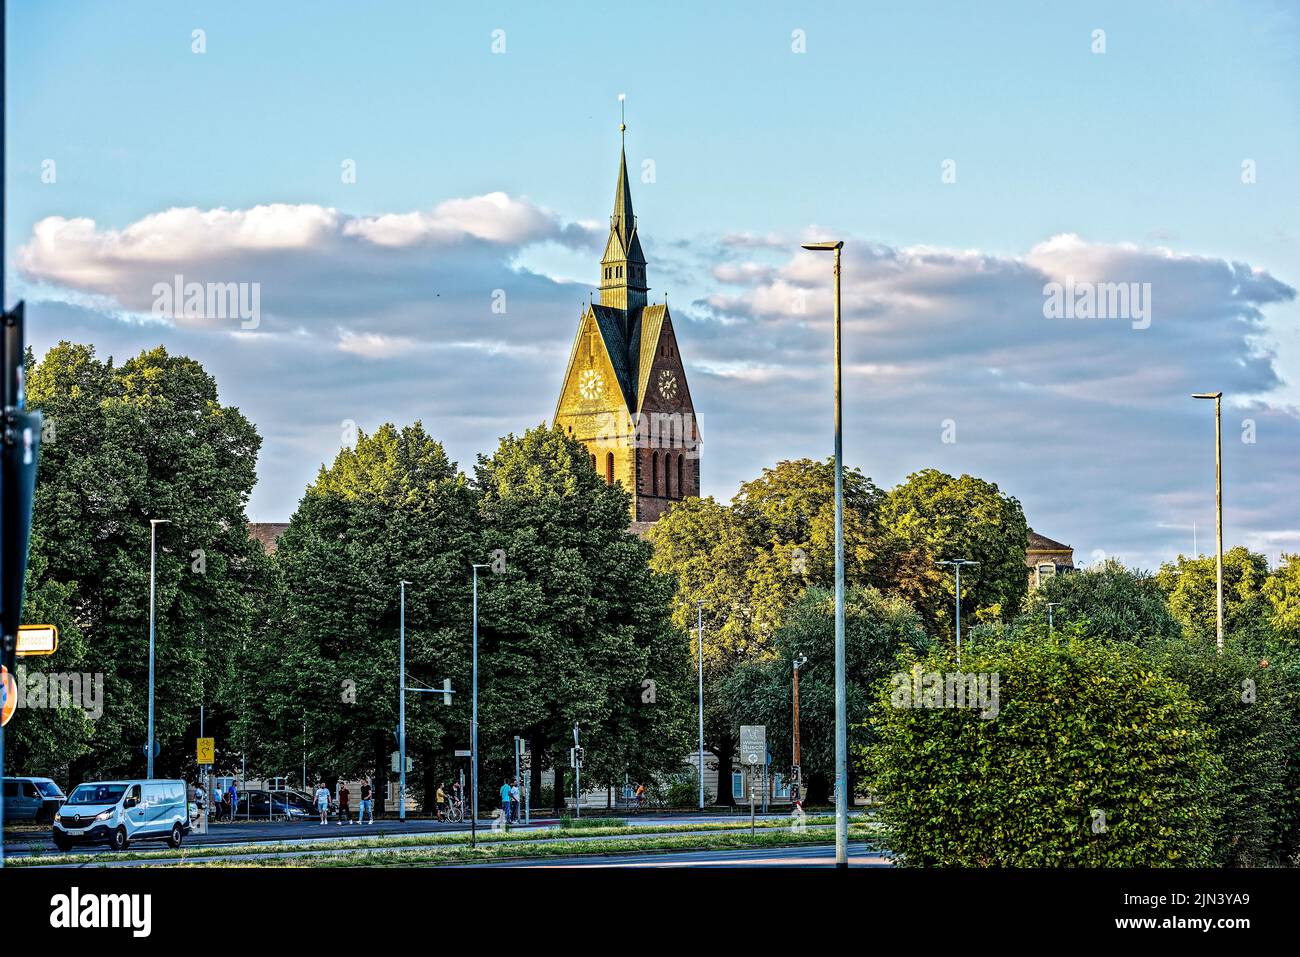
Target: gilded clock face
[667,385]
[590,385]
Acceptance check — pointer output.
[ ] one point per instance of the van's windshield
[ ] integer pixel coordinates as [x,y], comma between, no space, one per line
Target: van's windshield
[97,794]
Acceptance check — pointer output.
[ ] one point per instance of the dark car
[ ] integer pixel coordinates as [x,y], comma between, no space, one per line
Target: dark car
[32,799]
[285,804]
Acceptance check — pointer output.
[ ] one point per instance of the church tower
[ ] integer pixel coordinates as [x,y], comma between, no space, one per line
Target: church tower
[624,393]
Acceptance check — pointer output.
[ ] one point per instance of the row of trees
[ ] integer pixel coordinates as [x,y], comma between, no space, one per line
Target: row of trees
[294,657]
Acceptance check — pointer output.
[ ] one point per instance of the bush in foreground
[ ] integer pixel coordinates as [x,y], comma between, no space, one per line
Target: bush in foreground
[1094,758]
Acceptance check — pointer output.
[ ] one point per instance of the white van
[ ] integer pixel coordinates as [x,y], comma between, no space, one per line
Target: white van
[119,812]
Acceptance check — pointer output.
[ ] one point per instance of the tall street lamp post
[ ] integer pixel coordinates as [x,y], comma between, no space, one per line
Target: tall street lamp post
[956,564]
[401,707]
[153,547]
[473,720]
[841,696]
[699,642]
[1218,515]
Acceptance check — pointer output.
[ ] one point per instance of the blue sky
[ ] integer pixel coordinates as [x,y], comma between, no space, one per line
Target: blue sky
[1136,152]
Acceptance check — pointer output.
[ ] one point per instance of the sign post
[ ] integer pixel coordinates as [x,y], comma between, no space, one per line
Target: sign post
[753,751]
[205,750]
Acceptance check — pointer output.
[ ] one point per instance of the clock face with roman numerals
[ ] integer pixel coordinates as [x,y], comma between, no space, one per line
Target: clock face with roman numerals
[667,385]
[590,385]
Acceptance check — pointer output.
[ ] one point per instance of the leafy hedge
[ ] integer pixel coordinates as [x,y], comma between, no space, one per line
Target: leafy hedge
[1084,728]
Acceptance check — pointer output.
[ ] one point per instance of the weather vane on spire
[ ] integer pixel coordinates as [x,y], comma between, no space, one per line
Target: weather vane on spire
[622,110]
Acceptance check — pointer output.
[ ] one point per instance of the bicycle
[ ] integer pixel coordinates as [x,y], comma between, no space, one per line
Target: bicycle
[455,810]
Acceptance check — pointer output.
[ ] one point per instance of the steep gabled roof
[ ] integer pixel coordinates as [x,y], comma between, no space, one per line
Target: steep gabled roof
[1041,543]
[649,329]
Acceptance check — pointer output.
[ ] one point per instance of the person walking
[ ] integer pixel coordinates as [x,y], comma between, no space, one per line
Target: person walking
[345,805]
[505,800]
[440,800]
[216,802]
[367,803]
[514,799]
[232,797]
[323,802]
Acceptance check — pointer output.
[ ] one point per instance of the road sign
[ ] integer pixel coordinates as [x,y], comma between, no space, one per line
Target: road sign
[753,743]
[157,749]
[37,640]
[464,754]
[206,749]
[9,692]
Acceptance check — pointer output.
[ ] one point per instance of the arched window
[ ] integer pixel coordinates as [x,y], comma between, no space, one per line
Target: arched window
[654,473]
[609,467]
[681,484]
[668,475]
[593,461]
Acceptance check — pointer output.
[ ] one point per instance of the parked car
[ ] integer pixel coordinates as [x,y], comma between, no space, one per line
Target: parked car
[119,812]
[32,799]
[285,804]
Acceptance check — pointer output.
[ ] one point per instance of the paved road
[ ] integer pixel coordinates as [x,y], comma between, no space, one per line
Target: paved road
[860,855]
[21,843]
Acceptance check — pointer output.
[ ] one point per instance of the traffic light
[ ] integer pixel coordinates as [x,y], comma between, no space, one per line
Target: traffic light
[20,435]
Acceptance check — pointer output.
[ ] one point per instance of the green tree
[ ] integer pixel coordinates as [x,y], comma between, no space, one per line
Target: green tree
[576,624]
[877,628]
[1190,586]
[933,517]
[740,566]
[391,508]
[149,439]
[1282,589]
[1109,602]
[1095,758]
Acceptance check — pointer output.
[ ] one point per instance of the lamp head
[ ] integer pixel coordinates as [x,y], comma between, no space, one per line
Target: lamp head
[824,245]
[1207,395]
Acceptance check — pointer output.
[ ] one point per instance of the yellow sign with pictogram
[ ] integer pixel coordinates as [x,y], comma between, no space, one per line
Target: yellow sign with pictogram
[207,747]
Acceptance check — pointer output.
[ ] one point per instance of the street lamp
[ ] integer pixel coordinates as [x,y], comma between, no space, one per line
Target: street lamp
[473,721]
[957,563]
[699,642]
[401,707]
[153,541]
[1051,625]
[798,763]
[841,696]
[1218,517]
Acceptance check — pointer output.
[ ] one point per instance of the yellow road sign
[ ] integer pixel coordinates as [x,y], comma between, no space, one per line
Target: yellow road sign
[37,640]
[206,748]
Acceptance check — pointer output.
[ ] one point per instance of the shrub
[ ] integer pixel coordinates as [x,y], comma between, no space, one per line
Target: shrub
[1083,729]
[1248,709]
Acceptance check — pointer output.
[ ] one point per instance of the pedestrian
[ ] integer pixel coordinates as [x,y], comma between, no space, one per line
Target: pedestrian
[514,799]
[232,796]
[505,799]
[640,795]
[440,800]
[216,802]
[345,805]
[367,803]
[323,802]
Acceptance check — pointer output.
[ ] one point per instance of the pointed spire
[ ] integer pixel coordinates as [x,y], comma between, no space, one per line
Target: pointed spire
[623,220]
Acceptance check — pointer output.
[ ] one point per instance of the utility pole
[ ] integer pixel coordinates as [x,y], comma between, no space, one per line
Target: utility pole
[798,760]
[699,641]
[577,773]
[153,543]
[1218,515]
[473,720]
[401,705]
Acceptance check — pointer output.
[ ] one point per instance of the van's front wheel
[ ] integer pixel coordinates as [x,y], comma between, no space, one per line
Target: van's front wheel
[176,837]
[120,841]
